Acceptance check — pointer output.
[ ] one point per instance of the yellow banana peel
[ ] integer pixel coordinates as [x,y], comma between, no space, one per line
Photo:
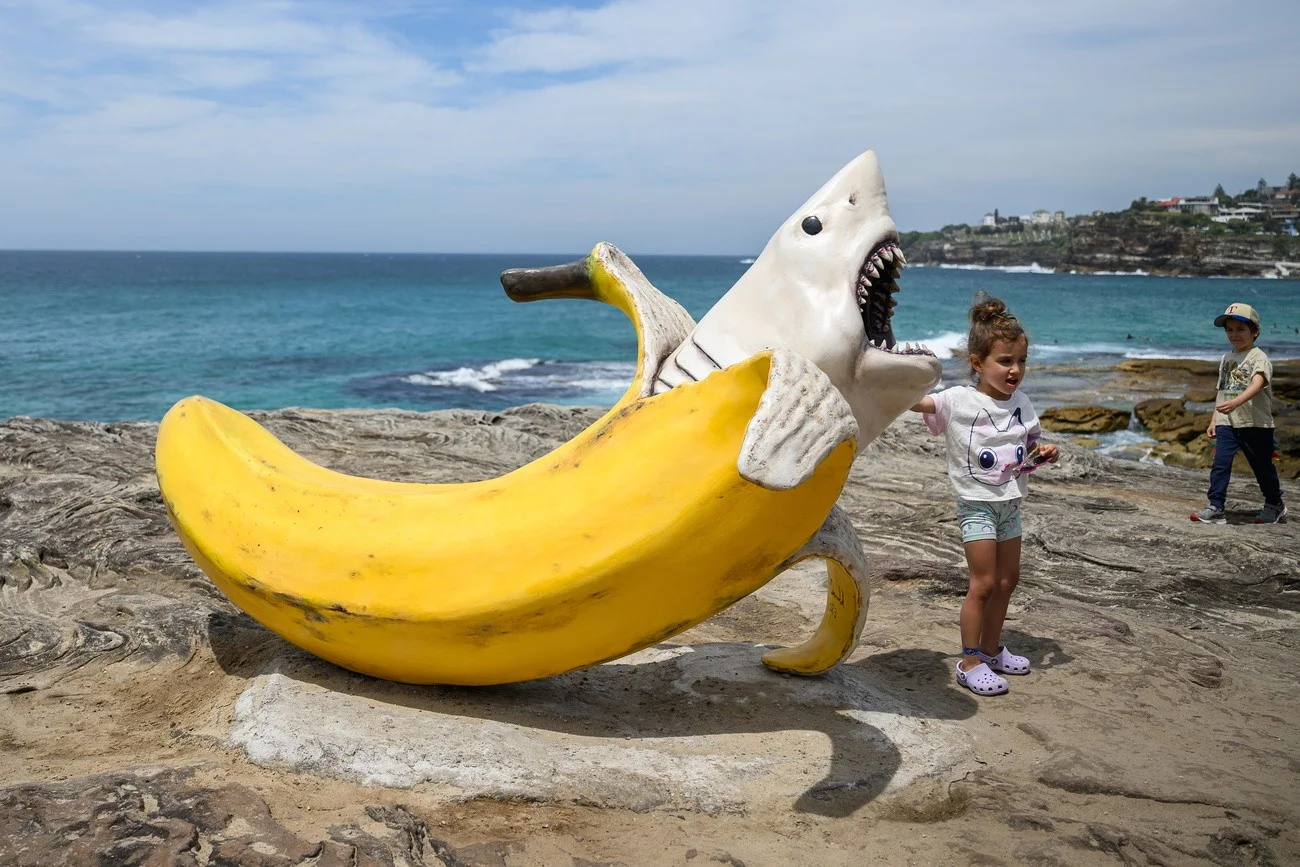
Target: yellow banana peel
[666,510]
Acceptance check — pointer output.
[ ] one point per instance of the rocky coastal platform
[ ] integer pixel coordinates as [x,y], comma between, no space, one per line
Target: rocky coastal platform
[143,719]
[1175,405]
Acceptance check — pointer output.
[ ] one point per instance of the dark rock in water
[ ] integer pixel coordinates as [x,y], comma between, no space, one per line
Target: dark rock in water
[1083,419]
[1169,419]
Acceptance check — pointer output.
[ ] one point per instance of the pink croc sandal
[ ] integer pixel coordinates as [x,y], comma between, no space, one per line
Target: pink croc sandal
[1006,662]
[981,680]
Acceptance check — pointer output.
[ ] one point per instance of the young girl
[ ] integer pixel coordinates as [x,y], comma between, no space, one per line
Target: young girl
[991,432]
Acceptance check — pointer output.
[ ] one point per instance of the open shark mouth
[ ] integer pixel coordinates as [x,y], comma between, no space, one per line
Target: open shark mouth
[876,284]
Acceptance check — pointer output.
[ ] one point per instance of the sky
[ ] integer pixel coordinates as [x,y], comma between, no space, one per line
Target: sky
[662,126]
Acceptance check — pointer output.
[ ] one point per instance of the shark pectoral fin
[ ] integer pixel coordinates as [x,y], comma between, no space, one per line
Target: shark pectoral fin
[556,281]
[848,594]
[800,419]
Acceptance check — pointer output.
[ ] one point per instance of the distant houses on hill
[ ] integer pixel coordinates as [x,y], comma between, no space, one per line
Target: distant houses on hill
[1264,203]
[1262,209]
[1041,217]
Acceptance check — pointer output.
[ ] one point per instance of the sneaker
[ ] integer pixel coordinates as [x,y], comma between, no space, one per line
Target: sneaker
[1211,515]
[1271,514]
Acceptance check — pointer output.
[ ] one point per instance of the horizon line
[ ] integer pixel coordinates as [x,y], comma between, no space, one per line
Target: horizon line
[180,251]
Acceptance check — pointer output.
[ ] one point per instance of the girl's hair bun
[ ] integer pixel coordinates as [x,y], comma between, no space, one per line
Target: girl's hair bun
[990,321]
[987,310]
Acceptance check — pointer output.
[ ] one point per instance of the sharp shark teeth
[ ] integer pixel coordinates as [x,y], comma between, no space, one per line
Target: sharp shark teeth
[902,260]
[876,283]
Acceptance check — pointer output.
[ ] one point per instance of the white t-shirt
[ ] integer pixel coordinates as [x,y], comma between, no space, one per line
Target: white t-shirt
[985,439]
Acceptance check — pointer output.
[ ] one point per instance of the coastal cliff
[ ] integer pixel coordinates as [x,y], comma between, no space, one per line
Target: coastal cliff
[1124,241]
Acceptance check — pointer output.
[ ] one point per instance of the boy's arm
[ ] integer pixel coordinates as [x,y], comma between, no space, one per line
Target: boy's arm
[1257,383]
[926,404]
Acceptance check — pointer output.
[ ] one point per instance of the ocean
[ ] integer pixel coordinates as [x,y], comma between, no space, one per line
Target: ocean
[114,336]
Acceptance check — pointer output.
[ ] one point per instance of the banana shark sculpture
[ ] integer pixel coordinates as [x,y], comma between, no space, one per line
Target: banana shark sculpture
[717,470]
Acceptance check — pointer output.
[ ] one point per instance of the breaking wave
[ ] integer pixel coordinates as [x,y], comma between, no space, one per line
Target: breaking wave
[503,382]
[945,345]
[1032,268]
[489,377]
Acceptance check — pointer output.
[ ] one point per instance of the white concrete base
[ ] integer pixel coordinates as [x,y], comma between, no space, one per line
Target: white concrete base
[703,727]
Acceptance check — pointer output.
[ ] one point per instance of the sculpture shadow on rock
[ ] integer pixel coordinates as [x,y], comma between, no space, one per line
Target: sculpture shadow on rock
[693,691]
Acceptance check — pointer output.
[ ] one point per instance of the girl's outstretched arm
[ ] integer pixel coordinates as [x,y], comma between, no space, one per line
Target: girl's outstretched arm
[926,404]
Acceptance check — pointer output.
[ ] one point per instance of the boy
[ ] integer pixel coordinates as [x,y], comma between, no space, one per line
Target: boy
[1243,418]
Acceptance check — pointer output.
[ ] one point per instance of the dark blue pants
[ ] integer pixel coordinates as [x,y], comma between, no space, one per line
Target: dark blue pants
[1256,443]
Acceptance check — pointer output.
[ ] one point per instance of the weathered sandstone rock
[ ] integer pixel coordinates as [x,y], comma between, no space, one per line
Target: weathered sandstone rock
[1169,420]
[1083,419]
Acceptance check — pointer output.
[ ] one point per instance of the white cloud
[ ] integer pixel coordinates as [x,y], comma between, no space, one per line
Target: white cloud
[627,32]
[247,29]
[660,125]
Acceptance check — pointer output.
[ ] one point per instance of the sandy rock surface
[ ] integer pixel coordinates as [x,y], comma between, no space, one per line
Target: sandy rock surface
[143,717]
[1084,419]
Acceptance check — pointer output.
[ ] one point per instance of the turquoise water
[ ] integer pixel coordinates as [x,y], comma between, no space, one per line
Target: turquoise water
[121,336]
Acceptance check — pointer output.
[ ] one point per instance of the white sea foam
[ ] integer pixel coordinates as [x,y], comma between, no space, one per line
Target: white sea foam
[594,379]
[749,261]
[1073,349]
[480,379]
[1032,268]
[1165,354]
[597,376]
[944,345]
[1127,444]
[1137,273]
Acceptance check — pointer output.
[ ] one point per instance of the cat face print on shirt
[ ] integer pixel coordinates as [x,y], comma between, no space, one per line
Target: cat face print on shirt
[993,450]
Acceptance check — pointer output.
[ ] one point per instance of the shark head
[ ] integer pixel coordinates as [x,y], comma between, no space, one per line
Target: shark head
[823,287]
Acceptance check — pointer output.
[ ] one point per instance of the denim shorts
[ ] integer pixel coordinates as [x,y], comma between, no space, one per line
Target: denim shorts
[988,519]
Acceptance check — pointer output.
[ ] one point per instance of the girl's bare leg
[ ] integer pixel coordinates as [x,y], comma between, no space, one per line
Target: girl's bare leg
[995,610]
[982,560]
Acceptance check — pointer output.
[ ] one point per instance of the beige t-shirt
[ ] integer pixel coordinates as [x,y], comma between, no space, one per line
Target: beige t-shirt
[1236,370]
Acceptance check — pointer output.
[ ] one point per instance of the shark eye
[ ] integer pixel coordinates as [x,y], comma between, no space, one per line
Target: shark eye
[812,225]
